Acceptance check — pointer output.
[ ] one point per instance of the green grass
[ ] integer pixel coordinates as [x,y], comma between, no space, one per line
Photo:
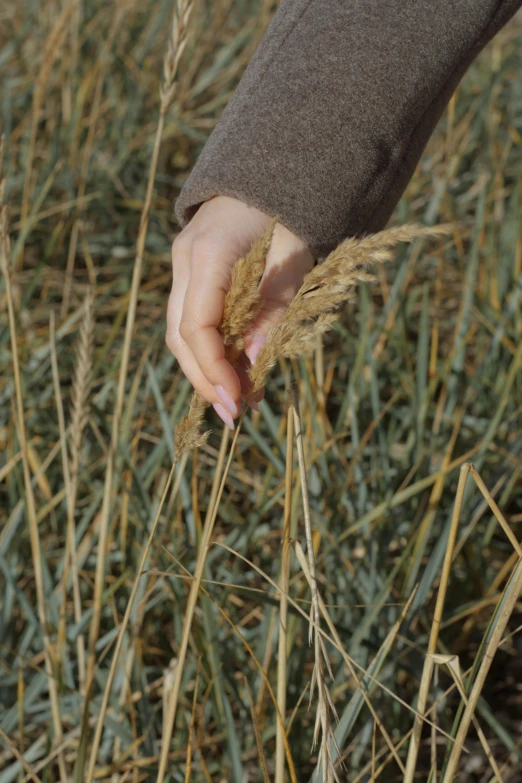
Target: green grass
[422,375]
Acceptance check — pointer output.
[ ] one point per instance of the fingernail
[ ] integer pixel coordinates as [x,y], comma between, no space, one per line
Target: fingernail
[224,415]
[255,407]
[255,346]
[227,400]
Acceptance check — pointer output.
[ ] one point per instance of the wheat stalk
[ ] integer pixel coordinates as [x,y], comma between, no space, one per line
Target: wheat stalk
[80,400]
[312,311]
[220,477]
[177,44]
[5,253]
[284,581]
[31,774]
[70,550]
[51,52]
[242,303]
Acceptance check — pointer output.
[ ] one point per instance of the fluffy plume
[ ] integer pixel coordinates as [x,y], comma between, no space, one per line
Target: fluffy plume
[243,301]
[187,432]
[324,289]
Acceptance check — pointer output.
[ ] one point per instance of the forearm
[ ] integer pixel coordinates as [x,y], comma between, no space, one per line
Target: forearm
[335,109]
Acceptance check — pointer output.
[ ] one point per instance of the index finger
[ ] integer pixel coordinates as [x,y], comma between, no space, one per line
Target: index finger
[202,313]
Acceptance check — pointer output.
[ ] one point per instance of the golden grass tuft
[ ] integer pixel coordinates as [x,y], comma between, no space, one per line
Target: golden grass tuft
[243,301]
[188,434]
[325,288]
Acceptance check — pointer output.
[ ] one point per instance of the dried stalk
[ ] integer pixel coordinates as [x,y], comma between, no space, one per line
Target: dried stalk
[192,727]
[257,733]
[257,662]
[29,494]
[311,312]
[220,476]
[466,469]
[301,557]
[243,301]
[284,582]
[119,642]
[50,53]
[331,640]
[31,774]
[512,591]
[325,703]
[422,698]
[453,664]
[188,437]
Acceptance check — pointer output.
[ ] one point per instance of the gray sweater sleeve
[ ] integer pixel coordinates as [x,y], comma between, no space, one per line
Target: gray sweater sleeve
[332,115]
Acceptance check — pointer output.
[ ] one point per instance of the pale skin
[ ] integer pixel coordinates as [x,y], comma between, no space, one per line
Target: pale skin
[203,255]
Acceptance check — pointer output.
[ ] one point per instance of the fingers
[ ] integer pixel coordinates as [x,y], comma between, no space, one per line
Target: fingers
[194,311]
[183,353]
[201,315]
[187,362]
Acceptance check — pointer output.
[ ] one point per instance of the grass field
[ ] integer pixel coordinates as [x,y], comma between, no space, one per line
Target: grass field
[421,377]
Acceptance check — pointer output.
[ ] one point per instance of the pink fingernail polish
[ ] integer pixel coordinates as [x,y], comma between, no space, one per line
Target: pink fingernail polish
[255,346]
[227,400]
[255,407]
[224,415]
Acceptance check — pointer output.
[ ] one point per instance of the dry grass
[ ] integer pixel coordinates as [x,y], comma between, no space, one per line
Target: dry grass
[158,587]
[325,289]
[243,301]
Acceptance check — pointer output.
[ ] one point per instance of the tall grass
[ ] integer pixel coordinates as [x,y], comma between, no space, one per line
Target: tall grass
[155,620]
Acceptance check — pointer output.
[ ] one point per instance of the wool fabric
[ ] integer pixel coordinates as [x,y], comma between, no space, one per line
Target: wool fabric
[331,117]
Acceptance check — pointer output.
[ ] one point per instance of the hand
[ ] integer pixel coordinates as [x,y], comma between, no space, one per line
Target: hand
[203,254]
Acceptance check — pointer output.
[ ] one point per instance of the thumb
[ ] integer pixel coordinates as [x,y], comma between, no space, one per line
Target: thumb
[288,261]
